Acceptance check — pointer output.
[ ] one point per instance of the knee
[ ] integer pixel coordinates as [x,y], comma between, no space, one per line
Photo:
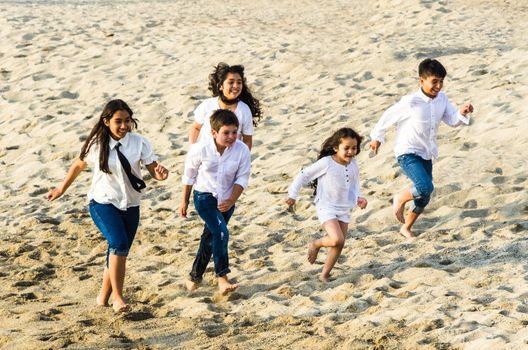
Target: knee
[425,189]
[337,242]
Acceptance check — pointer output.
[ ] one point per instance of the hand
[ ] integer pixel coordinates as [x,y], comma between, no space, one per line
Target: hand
[53,194]
[466,109]
[362,202]
[161,172]
[183,209]
[374,145]
[226,205]
[290,202]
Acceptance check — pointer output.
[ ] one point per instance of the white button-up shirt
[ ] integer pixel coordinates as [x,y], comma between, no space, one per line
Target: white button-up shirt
[217,173]
[115,188]
[417,118]
[337,184]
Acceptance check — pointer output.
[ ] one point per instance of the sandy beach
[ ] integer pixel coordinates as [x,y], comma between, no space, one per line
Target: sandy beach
[316,66]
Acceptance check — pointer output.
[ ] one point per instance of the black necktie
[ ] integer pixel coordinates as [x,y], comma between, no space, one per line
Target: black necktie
[136,183]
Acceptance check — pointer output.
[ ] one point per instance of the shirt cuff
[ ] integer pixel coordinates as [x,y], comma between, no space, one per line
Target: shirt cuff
[188,181]
[242,183]
[150,159]
[464,120]
[377,137]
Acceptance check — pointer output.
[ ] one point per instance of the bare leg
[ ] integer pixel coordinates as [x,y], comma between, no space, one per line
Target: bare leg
[225,286]
[106,289]
[405,230]
[313,250]
[335,240]
[116,271]
[398,204]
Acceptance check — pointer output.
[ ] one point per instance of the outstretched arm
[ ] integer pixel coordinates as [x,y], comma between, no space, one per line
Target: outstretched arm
[391,116]
[74,171]
[453,118]
[157,171]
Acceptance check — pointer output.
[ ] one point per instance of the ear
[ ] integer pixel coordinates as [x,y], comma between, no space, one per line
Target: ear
[106,121]
[214,133]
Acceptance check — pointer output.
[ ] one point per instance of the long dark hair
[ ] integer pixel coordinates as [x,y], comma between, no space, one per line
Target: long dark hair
[330,144]
[100,133]
[217,78]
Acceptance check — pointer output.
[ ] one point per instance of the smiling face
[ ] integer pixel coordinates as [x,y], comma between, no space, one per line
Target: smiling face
[346,151]
[119,124]
[232,86]
[431,85]
[226,136]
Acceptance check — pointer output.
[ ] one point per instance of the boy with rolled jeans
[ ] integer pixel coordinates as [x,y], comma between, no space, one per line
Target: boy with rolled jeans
[417,117]
[219,169]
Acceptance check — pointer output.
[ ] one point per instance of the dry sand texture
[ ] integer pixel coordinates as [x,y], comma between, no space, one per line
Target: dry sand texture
[316,66]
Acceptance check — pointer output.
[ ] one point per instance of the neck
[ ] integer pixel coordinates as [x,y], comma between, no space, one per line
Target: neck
[224,102]
[426,94]
[219,148]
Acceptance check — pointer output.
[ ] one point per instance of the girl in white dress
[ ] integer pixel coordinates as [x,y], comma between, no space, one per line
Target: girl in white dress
[336,176]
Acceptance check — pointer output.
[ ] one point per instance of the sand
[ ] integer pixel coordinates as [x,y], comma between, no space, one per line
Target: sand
[316,66]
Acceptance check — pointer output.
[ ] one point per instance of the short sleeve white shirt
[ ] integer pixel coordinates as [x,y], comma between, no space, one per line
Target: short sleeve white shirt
[337,184]
[203,112]
[210,171]
[115,188]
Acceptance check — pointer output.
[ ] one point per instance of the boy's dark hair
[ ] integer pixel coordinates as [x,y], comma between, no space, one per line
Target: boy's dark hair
[217,78]
[100,133]
[222,117]
[431,67]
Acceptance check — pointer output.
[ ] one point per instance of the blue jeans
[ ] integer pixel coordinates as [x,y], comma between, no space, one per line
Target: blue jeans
[214,238]
[117,226]
[420,171]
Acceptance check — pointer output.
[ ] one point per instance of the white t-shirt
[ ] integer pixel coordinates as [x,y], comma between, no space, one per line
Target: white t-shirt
[203,112]
[115,188]
[337,184]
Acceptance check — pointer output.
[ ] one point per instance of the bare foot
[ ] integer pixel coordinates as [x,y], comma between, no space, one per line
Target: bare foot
[225,286]
[191,285]
[405,232]
[324,278]
[398,206]
[121,307]
[100,301]
[313,250]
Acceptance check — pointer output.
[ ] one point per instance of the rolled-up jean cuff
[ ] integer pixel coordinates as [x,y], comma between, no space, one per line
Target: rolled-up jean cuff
[195,279]
[417,210]
[223,273]
[118,252]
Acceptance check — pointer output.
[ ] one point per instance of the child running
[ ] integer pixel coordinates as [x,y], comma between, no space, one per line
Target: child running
[115,153]
[219,168]
[230,91]
[336,192]
[417,117]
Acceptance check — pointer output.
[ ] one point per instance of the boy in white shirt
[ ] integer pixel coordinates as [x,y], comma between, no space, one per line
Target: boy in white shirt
[219,168]
[417,117]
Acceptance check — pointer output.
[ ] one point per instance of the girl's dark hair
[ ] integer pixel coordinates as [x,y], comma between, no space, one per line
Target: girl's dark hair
[100,133]
[329,145]
[217,78]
